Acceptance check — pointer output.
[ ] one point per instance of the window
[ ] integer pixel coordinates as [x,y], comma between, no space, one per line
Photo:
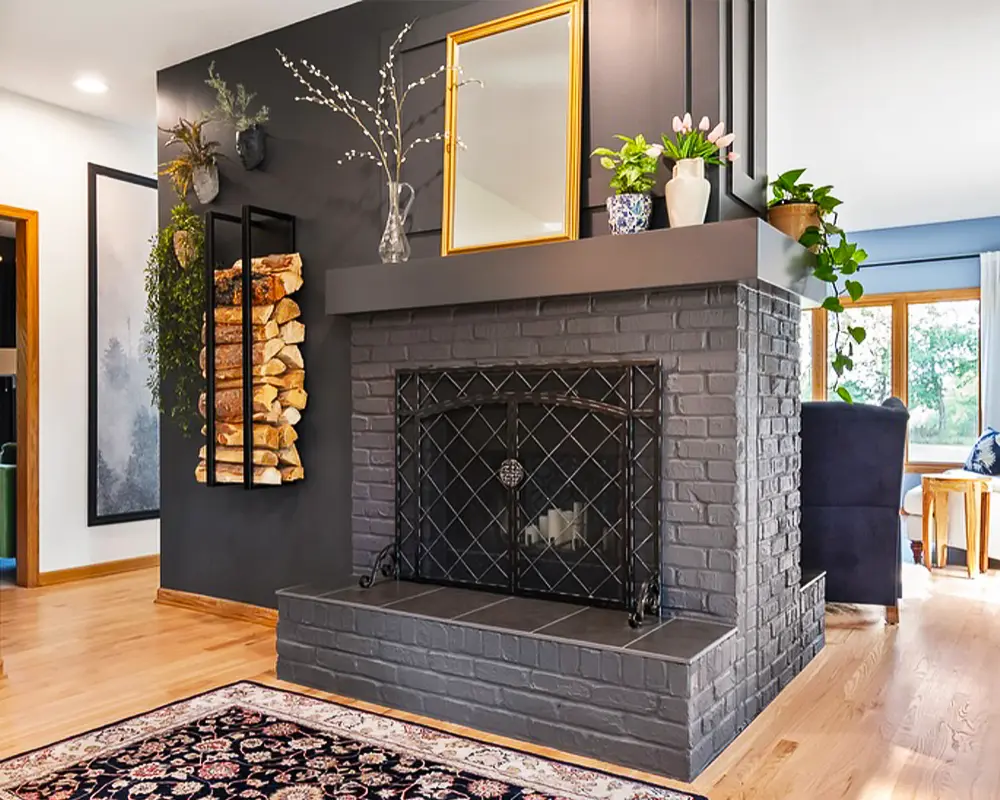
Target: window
[922,347]
[805,356]
[871,379]
[943,380]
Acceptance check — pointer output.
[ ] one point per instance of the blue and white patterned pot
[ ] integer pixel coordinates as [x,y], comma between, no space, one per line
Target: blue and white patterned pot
[629,213]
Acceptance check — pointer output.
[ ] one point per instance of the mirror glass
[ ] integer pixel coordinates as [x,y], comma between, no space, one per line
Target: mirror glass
[515,109]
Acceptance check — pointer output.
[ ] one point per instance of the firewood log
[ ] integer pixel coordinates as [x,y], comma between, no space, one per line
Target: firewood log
[272,367]
[293,379]
[231,435]
[290,455]
[233,315]
[234,455]
[294,398]
[289,474]
[265,265]
[292,356]
[230,356]
[265,288]
[293,332]
[229,403]
[287,309]
[233,334]
[271,416]
[291,416]
[286,436]
[233,473]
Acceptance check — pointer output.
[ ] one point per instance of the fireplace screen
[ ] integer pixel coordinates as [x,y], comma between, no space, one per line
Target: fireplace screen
[531,480]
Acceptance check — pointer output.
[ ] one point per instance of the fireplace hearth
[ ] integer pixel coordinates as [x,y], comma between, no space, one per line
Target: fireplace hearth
[534,480]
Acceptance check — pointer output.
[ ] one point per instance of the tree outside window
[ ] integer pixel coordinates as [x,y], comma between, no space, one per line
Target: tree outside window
[871,379]
[943,380]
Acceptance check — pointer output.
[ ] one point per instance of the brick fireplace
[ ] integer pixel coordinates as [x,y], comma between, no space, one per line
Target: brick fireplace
[733,619]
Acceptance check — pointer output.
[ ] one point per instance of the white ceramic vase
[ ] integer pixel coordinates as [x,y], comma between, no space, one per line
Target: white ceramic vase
[687,193]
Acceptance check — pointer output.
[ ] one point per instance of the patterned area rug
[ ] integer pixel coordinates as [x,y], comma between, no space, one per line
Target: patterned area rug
[255,742]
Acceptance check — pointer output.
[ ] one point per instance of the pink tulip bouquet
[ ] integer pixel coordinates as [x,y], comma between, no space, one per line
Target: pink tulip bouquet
[704,142]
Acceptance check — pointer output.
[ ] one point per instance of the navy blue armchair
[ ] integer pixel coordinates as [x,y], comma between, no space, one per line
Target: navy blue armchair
[852,473]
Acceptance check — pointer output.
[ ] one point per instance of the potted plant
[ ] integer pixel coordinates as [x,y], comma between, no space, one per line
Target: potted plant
[233,108]
[175,309]
[837,260]
[691,148]
[634,168]
[794,206]
[197,165]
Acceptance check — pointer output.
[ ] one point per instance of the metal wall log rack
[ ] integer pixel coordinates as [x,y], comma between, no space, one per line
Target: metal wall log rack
[250,217]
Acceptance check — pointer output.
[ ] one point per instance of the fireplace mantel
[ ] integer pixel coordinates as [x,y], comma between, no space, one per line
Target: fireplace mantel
[720,252]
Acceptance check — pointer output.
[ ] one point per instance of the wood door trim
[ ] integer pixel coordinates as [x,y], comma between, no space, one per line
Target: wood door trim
[26,235]
[230,609]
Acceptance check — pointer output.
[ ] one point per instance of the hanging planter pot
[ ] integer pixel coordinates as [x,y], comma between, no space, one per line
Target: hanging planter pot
[629,213]
[792,219]
[687,193]
[184,248]
[205,180]
[250,146]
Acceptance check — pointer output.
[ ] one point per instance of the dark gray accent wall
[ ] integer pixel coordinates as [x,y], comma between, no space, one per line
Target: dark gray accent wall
[640,68]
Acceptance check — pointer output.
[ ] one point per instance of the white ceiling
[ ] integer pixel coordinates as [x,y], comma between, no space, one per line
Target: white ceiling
[46,44]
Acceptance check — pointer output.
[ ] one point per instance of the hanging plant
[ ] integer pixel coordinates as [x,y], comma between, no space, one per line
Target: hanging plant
[197,166]
[837,259]
[175,307]
[232,108]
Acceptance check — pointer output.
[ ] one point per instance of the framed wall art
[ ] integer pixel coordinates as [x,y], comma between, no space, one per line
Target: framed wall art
[124,424]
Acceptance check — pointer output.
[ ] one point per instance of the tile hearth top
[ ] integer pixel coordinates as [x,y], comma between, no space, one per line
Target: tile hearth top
[677,639]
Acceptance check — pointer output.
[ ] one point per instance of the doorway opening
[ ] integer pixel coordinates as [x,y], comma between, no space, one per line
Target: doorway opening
[18,396]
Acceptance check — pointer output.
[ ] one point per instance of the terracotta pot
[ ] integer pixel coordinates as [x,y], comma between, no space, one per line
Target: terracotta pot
[184,248]
[792,219]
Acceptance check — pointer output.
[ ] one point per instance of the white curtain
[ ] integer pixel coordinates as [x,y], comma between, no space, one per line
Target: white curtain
[989,342]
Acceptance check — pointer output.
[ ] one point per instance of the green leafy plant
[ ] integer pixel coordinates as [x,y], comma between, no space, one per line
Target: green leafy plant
[197,153]
[232,107]
[634,165]
[787,188]
[175,306]
[704,142]
[837,264]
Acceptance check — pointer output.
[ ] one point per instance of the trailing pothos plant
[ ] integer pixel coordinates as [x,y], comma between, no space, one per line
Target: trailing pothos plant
[175,307]
[837,264]
[787,188]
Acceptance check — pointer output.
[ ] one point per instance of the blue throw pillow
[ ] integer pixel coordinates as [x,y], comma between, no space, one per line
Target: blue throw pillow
[985,455]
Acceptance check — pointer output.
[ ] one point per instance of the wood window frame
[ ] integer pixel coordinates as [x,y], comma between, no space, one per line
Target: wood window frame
[900,303]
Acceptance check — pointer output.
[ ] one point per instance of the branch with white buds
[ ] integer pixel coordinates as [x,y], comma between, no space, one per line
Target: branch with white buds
[384,129]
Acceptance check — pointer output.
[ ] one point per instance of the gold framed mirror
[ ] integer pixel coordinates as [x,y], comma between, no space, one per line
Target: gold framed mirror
[512,133]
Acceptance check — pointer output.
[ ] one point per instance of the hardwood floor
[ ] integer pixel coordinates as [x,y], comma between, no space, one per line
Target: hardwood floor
[884,712]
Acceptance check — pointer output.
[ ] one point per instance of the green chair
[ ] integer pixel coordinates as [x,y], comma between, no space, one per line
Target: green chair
[8,500]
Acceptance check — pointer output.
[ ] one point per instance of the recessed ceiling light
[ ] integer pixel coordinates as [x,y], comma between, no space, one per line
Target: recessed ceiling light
[91,84]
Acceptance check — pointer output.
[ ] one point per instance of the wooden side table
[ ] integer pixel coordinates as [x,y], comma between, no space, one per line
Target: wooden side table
[976,491]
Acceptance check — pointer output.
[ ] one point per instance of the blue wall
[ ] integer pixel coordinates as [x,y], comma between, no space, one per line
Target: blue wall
[943,255]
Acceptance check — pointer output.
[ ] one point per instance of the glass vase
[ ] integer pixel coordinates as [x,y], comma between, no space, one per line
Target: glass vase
[394,247]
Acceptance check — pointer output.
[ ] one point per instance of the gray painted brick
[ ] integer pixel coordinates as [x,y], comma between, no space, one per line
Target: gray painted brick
[729,512]
[561,685]
[503,674]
